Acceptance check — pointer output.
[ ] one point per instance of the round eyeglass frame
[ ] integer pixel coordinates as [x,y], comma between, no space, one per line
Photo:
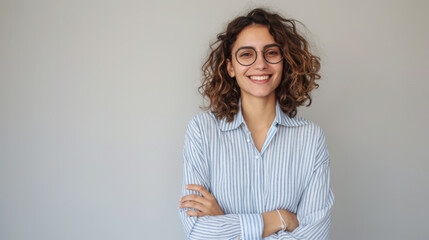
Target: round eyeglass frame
[263,55]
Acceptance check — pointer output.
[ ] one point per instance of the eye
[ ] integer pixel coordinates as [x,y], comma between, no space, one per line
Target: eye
[245,54]
[272,52]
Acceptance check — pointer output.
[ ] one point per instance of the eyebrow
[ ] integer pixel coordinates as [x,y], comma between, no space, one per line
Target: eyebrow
[268,45]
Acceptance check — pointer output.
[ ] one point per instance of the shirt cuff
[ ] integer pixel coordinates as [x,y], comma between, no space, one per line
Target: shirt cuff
[252,226]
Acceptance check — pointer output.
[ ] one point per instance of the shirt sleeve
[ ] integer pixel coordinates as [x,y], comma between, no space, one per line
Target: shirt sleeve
[196,171]
[315,207]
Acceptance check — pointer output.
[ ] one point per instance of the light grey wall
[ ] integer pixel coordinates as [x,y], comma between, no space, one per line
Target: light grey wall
[95,97]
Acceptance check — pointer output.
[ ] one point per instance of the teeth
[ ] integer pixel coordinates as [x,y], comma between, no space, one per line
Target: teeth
[259,78]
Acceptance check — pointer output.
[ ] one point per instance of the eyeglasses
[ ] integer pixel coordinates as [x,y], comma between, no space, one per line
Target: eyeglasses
[246,56]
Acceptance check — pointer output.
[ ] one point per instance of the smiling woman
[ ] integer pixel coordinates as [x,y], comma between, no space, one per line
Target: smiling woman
[258,77]
[252,168]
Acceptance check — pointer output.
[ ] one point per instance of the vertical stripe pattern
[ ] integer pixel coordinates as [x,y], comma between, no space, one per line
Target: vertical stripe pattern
[290,172]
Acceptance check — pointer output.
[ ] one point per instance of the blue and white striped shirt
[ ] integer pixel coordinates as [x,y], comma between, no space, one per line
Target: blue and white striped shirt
[290,172]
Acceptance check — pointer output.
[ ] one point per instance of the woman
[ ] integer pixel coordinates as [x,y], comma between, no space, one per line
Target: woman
[252,168]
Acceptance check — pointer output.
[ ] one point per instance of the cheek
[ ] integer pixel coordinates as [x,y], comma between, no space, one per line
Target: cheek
[279,71]
[240,71]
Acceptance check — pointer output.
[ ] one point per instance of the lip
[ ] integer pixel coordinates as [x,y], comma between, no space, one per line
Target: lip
[260,81]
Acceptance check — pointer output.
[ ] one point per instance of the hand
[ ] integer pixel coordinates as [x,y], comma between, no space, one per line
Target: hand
[290,219]
[206,205]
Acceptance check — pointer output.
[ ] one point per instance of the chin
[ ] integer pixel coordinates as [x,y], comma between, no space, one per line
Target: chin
[260,94]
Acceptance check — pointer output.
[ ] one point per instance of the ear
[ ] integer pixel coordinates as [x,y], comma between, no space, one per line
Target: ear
[230,68]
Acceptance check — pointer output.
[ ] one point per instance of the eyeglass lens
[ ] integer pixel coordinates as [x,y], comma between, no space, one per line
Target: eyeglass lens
[247,55]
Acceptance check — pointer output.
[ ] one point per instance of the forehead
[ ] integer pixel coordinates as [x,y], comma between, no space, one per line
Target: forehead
[256,36]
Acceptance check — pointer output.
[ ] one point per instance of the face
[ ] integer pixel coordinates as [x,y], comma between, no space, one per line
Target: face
[260,79]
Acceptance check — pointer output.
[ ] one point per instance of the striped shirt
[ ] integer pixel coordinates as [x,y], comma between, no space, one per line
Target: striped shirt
[290,172]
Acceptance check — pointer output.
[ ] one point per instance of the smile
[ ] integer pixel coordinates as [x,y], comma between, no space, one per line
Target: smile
[259,78]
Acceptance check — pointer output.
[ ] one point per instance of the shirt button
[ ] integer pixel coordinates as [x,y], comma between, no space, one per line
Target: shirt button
[248,140]
[256,157]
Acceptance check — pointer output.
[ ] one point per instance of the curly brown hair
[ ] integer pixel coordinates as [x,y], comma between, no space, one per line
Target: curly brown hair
[300,67]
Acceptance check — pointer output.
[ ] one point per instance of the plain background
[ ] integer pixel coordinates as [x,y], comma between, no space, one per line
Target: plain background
[95,97]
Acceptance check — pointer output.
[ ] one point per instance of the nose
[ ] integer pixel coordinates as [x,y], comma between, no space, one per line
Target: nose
[260,62]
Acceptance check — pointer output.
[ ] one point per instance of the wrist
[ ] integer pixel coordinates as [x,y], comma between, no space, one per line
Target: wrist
[271,223]
[290,219]
[282,221]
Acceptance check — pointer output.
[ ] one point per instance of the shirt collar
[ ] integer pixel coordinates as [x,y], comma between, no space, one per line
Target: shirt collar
[281,118]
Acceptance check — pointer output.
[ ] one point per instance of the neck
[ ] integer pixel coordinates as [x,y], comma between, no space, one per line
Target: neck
[258,113]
